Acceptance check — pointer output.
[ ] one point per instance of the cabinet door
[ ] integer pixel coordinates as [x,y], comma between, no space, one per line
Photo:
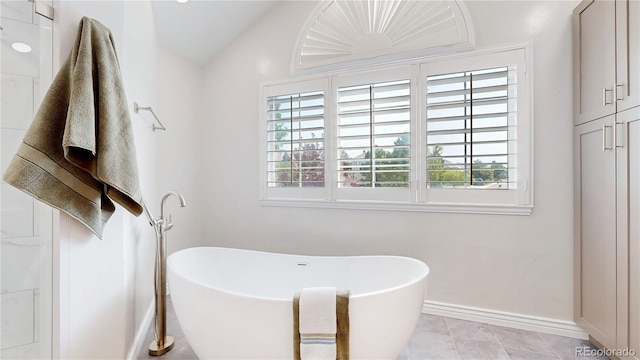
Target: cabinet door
[627,54]
[629,226]
[594,53]
[634,236]
[595,258]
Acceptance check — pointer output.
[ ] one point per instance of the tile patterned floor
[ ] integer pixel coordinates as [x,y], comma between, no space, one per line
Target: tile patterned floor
[435,337]
[438,337]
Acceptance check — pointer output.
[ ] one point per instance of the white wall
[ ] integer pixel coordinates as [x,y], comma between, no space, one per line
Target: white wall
[107,285]
[505,263]
[210,153]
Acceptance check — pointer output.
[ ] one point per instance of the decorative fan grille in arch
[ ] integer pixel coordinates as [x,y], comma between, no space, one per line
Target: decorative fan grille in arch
[347,30]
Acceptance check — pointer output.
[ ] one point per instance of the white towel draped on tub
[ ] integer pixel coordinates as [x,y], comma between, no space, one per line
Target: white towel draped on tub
[324,332]
[318,323]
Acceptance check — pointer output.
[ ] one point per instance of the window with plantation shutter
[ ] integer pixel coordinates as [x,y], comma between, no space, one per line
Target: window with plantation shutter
[295,140]
[449,134]
[471,129]
[373,140]
[477,131]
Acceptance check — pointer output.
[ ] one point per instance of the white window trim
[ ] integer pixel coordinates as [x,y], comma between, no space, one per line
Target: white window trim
[418,199]
[460,208]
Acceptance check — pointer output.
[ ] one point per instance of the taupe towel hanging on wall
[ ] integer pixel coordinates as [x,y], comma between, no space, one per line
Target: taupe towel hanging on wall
[79,153]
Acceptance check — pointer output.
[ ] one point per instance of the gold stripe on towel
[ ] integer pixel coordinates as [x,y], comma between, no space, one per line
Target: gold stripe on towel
[342,316]
[296,326]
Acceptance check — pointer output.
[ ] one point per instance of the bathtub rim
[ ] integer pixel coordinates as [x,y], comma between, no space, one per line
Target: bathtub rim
[170,260]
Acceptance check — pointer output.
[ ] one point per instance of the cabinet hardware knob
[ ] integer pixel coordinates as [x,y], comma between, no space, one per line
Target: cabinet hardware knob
[604,97]
[604,138]
[616,92]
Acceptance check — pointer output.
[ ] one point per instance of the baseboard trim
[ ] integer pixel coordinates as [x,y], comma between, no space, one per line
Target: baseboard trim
[507,319]
[138,341]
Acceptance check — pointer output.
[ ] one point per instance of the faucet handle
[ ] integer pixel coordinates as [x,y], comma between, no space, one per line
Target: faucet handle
[167,225]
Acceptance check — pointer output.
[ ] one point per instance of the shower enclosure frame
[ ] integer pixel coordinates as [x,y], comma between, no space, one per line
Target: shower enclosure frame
[44,227]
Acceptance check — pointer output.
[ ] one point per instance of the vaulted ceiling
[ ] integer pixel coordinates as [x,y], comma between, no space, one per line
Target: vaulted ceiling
[199,29]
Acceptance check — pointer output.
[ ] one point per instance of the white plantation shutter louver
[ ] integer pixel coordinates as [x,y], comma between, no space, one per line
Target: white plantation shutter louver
[373,135]
[472,129]
[295,140]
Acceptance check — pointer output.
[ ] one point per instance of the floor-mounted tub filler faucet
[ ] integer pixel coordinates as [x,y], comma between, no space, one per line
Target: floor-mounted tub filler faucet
[162,343]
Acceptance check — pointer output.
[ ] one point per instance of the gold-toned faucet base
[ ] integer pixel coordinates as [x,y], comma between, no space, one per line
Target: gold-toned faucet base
[155,350]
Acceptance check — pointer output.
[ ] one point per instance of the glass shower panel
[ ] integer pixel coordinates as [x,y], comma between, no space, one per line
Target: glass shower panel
[26,63]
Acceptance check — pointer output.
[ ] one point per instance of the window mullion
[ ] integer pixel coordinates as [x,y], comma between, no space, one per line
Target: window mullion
[371,154]
[466,149]
[331,144]
[291,139]
[470,128]
[416,139]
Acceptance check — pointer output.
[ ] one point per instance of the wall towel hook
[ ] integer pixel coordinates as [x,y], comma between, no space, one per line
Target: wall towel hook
[137,108]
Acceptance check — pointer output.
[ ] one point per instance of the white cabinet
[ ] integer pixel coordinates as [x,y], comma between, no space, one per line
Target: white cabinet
[627,82]
[606,58]
[634,233]
[607,229]
[628,230]
[607,172]
[594,52]
[596,248]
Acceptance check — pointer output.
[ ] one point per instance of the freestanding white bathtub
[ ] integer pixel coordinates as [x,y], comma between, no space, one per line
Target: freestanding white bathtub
[237,304]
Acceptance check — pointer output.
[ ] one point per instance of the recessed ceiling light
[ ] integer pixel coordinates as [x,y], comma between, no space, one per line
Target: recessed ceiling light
[182,1]
[21,47]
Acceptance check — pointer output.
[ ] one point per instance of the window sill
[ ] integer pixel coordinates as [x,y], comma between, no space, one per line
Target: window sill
[458,208]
